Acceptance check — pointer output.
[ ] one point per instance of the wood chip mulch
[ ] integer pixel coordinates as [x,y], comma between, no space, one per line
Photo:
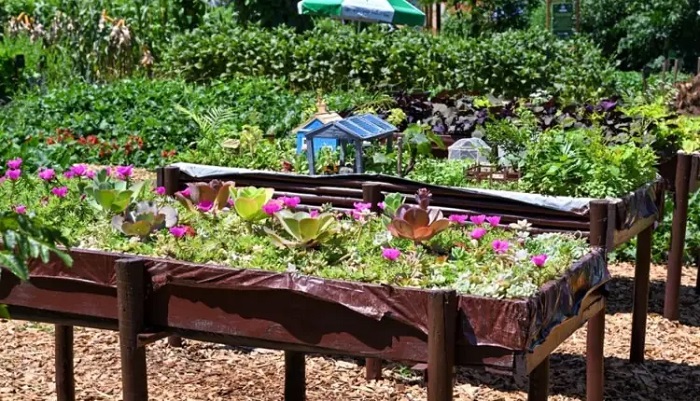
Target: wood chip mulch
[202,371]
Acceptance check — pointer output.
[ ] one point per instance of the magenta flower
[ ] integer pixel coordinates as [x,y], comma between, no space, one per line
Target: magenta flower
[478,233]
[205,206]
[159,191]
[185,192]
[13,175]
[460,219]
[478,220]
[500,246]
[78,170]
[90,174]
[60,192]
[272,207]
[68,174]
[290,202]
[229,202]
[494,221]
[539,260]
[381,205]
[362,206]
[14,164]
[179,231]
[391,253]
[20,209]
[47,174]
[313,213]
[124,172]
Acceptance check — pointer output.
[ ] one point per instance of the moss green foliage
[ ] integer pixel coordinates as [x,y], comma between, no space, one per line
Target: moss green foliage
[357,248]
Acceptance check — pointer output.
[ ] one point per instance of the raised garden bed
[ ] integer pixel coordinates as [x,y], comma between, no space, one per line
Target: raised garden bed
[624,218]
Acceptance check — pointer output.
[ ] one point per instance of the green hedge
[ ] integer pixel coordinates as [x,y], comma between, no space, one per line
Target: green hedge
[330,56]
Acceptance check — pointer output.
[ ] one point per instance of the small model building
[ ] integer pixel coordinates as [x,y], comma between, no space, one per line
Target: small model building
[318,120]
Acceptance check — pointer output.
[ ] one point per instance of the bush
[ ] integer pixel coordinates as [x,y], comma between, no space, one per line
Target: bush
[331,56]
[485,18]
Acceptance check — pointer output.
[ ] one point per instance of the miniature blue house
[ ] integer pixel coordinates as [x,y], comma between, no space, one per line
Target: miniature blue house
[318,120]
[356,130]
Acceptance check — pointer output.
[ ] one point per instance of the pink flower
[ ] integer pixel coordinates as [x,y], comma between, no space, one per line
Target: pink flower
[229,202]
[391,253]
[539,260]
[179,231]
[478,220]
[47,174]
[362,206]
[478,233]
[458,218]
[185,192]
[500,246]
[90,174]
[68,174]
[60,192]
[205,206]
[124,172]
[494,221]
[78,170]
[20,209]
[313,213]
[13,175]
[159,191]
[14,164]
[381,205]
[290,202]
[272,207]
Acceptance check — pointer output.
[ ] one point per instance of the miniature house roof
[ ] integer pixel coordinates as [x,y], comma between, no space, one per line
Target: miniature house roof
[321,117]
[362,127]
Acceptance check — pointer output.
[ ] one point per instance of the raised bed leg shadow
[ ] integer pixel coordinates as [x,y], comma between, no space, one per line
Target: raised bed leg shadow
[641,296]
[294,376]
[680,222]
[442,319]
[595,342]
[65,379]
[131,294]
[538,389]
[175,341]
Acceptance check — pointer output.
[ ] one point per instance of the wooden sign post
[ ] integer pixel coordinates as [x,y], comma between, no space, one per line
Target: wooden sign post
[564,17]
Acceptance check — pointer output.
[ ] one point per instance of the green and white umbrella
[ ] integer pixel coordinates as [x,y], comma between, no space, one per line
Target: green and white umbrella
[398,12]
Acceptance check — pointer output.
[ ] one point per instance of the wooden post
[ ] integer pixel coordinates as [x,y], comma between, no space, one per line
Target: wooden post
[442,320]
[399,150]
[641,295]
[171,180]
[372,194]
[294,376]
[678,228]
[538,389]
[548,15]
[595,336]
[578,16]
[65,379]
[131,294]
[601,217]
[698,72]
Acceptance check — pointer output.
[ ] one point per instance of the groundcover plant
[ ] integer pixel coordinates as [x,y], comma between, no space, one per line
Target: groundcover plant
[218,223]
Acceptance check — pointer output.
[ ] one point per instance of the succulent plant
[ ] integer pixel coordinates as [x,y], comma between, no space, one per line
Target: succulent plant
[418,222]
[249,201]
[204,197]
[144,218]
[306,231]
[109,195]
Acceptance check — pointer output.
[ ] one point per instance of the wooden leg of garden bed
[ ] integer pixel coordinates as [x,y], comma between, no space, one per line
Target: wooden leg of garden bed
[294,376]
[175,341]
[595,341]
[641,295]
[442,319]
[131,292]
[65,383]
[538,389]
[680,222]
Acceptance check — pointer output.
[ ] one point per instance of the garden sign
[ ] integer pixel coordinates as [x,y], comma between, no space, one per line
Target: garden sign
[563,17]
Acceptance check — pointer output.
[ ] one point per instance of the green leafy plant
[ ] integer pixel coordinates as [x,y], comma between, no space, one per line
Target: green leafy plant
[144,218]
[305,230]
[114,196]
[248,202]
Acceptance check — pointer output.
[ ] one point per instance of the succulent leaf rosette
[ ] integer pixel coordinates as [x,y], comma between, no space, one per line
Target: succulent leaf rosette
[306,230]
[204,197]
[144,218]
[418,223]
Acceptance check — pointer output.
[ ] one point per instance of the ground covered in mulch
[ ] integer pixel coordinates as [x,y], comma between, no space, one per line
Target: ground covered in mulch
[202,371]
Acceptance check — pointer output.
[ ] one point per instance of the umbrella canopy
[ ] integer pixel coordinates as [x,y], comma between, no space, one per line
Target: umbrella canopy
[398,12]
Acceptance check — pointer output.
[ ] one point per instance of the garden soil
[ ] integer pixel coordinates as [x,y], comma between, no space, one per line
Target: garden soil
[201,371]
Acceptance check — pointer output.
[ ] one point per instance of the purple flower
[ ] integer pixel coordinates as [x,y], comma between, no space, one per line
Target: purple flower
[78,170]
[539,260]
[362,206]
[290,202]
[381,205]
[179,231]
[391,253]
[60,192]
[13,175]
[20,209]
[14,164]
[478,220]
[229,202]
[272,207]
[159,191]
[185,192]
[90,174]
[313,213]
[124,172]
[205,206]
[460,219]
[68,174]
[478,233]
[500,246]
[47,174]
[494,221]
